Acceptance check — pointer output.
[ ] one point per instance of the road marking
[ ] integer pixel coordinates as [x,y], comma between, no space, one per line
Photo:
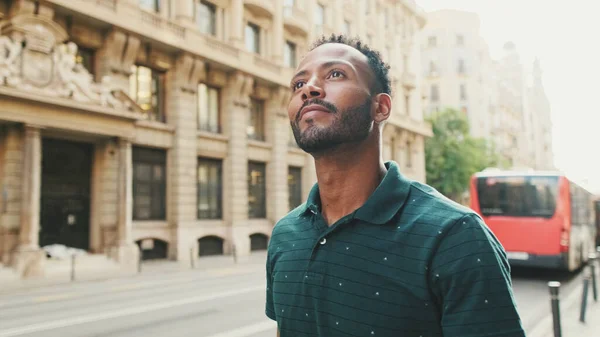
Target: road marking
[123,312]
[49,298]
[248,330]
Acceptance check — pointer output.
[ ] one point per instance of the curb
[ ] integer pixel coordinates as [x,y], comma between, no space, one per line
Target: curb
[545,327]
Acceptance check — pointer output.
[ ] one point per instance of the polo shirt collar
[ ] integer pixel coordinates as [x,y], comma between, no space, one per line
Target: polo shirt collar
[382,205]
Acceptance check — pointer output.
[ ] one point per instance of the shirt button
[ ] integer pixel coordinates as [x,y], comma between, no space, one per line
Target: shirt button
[323,241]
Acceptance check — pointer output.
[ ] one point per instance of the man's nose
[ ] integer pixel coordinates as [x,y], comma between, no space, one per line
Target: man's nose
[312,90]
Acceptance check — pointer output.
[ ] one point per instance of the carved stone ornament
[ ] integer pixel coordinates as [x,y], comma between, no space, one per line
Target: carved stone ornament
[35,58]
[241,86]
[281,98]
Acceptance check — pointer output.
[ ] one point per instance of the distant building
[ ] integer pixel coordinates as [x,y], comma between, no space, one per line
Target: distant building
[163,124]
[456,67]
[460,73]
[539,106]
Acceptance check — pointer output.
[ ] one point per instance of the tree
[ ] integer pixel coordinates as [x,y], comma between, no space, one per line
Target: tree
[452,156]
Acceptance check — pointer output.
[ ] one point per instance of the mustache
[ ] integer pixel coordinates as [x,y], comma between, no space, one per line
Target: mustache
[316,101]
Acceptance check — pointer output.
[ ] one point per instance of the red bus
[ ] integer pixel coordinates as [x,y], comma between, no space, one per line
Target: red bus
[542,219]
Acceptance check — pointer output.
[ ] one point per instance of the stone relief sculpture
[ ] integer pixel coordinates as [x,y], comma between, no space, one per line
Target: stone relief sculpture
[30,60]
[9,52]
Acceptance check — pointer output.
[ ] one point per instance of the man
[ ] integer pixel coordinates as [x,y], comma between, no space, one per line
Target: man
[372,253]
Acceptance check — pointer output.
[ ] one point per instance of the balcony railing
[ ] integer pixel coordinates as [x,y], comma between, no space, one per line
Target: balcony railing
[159,22]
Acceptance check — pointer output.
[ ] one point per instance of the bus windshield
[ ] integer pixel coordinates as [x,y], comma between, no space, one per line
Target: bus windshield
[518,196]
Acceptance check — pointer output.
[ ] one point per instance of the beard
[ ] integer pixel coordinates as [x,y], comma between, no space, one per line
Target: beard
[349,126]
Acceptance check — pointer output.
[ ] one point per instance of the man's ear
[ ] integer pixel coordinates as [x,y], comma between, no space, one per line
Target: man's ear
[383,108]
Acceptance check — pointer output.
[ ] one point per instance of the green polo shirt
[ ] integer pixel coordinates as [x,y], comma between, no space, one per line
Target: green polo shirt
[409,262]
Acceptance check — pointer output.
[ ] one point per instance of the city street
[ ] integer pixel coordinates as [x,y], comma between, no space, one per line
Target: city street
[225,302]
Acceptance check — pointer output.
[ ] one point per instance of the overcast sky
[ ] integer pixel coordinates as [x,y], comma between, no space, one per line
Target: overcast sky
[564,35]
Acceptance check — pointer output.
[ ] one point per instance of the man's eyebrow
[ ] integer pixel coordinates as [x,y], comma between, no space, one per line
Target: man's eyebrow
[324,65]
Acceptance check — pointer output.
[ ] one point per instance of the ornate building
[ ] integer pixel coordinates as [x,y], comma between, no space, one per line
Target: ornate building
[162,125]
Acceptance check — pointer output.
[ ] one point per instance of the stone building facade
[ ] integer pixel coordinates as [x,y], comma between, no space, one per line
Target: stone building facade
[162,125]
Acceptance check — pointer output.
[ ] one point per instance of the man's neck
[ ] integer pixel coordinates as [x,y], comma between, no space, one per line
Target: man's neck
[347,179]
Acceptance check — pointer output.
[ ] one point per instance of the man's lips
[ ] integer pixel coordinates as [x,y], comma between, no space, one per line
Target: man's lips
[312,107]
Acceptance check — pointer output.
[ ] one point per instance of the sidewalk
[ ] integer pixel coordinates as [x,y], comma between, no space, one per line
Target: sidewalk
[61,273]
[570,309]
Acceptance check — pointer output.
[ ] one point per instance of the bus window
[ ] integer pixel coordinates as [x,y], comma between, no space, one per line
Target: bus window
[529,196]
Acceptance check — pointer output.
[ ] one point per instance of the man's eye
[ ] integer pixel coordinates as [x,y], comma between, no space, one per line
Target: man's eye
[336,73]
[298,85]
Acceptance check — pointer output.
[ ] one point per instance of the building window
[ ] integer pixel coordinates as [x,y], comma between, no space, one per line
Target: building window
[463,92]
[149,184]
[407,103]
[408,154]
[290,54]
[432,41]
[256,125]
[209,112]
[460,40]
[256,190]
[210,187]
[153,5]
[253,38]
[206,14]
[320,18]
[432,68]
[347,27]
[435,93]
[288,8]
[146,88]
[294,187]
[461,66]
[86,58]
[367,6]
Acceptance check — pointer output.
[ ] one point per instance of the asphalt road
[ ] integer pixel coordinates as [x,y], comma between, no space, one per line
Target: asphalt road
[228,303]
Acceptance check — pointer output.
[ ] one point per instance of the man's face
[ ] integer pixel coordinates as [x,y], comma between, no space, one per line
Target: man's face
[331,102]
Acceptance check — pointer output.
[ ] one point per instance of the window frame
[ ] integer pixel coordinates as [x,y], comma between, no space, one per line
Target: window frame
[210,114]
[153,157]
[261,199]
[158,112]
[218,212]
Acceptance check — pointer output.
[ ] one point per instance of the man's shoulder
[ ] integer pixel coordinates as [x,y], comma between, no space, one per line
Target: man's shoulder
[291,220]
[435,207]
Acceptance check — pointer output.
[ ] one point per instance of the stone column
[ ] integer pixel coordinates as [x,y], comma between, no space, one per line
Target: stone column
[127,250]
[183,158]
[338,16]
[221,24]
[237,23]
[277,170]
[184,11]
[277,38]
[237,95]
[31,188]
[29,259]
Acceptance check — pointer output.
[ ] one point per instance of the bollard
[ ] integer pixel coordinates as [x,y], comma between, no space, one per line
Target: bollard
[72,267]
[234,254]
[192,257]
[593,258]
[141,256]
[554,288]
[584,296]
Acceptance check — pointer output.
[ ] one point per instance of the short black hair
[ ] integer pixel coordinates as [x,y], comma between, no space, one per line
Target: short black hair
[376,63]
